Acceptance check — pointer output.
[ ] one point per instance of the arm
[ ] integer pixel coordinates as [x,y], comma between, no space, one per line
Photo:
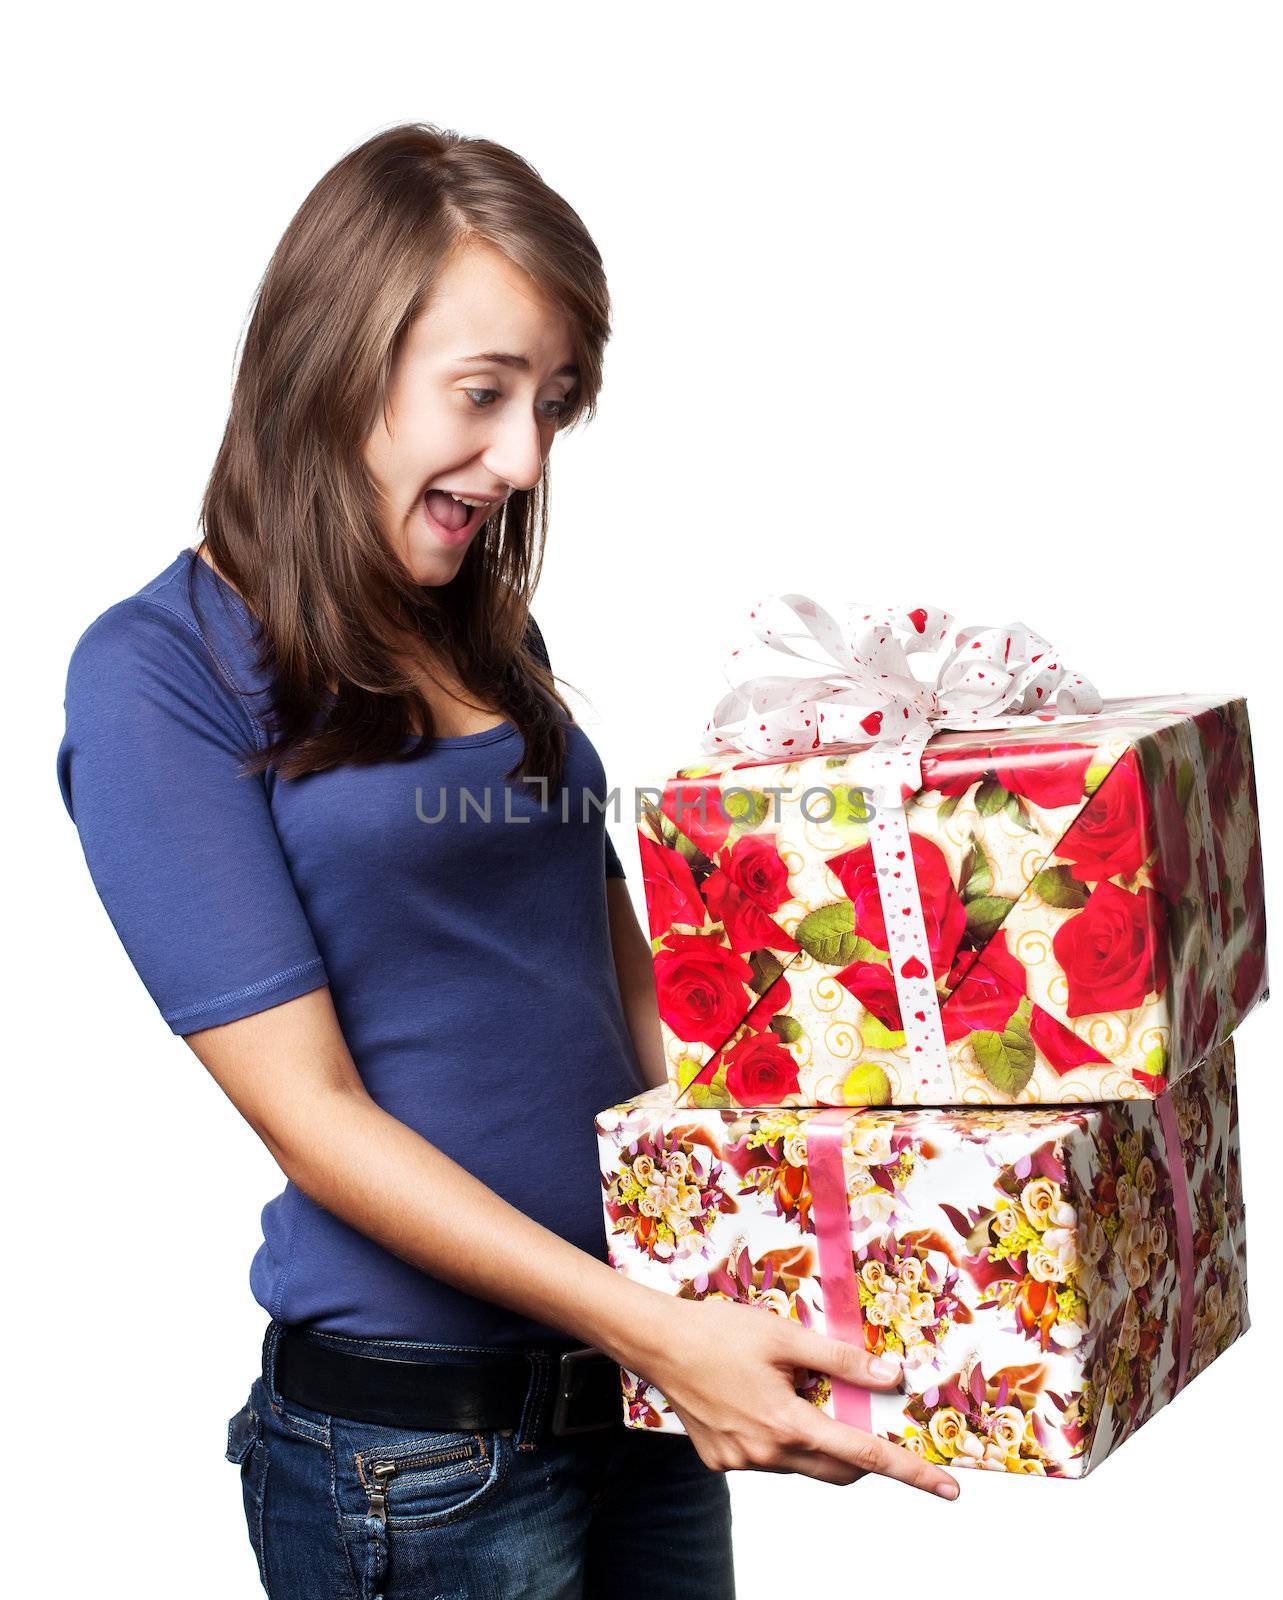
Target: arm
[636,982]
[727,1369]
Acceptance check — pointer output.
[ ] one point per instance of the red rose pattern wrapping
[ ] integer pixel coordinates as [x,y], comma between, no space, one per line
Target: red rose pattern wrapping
[1092,903]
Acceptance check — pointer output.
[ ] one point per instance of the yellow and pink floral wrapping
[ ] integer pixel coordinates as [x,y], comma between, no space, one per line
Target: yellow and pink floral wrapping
[1049,1278]
[1091,891]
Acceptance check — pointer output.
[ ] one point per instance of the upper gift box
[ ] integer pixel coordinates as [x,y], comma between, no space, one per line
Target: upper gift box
[1090,898]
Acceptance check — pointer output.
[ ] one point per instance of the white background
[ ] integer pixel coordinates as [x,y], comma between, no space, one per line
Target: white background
[976,305]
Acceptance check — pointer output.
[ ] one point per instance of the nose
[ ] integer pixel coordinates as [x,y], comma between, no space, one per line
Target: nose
[516,450]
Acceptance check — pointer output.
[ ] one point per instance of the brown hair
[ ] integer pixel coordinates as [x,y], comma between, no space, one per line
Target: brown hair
[290,514]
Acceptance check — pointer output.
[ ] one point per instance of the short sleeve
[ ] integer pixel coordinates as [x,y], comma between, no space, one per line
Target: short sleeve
[614,866]
[535,641]
[181,847]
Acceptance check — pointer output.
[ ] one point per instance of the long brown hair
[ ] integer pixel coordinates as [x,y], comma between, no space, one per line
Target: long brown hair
[290,514]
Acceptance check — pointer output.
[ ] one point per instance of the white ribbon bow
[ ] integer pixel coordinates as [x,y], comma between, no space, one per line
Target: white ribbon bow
[866,693]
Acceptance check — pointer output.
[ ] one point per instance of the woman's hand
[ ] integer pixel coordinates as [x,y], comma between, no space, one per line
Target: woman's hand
[728,1371]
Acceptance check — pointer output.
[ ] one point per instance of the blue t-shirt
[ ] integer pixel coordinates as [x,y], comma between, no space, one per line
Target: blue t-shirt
[469,960]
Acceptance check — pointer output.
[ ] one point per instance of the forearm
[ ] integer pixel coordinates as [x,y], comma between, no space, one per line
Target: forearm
[636,973]
[386,1181]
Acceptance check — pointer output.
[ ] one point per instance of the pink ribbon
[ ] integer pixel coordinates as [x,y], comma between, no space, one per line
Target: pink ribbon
[831,1214]
[1184,1231]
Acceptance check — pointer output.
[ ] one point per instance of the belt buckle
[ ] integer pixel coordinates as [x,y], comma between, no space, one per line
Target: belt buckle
[576,1396]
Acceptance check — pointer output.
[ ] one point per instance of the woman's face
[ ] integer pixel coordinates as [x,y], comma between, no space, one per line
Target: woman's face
[476,394]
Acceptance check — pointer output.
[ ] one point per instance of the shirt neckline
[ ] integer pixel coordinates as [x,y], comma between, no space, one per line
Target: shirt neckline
[501,730]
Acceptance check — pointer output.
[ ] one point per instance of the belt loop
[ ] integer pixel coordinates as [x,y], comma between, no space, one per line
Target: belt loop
[531,1426]
[271,1339]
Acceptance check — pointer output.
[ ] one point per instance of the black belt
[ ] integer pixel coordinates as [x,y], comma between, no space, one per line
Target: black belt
[551,1389]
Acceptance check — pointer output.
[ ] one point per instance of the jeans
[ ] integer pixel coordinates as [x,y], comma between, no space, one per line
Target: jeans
[486,1516]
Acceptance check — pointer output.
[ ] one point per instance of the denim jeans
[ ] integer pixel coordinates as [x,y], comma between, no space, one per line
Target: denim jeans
[472,1516]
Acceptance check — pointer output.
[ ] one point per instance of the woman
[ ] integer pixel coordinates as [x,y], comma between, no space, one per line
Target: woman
[419,1006]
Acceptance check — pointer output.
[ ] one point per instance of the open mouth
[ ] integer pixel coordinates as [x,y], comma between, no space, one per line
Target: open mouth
[451,519]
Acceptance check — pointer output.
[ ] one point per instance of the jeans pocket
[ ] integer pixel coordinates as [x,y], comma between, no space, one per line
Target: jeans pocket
[411,1479]
[395,1486]
[247,1448]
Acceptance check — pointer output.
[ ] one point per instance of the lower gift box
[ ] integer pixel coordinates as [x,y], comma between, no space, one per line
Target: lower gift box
[1050,1278]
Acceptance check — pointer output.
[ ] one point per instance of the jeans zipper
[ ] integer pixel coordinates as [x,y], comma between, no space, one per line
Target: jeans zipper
[383,1471]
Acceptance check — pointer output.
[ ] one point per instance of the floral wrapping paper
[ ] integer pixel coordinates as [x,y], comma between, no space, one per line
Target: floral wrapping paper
[1092,894]
[1024,1264]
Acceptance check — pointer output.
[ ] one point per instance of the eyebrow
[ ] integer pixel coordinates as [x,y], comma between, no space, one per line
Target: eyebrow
[501,358]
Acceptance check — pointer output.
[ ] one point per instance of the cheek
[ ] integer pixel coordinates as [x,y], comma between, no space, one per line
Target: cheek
[429,440]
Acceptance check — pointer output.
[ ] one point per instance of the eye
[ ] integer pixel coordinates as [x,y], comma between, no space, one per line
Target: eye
[554,410]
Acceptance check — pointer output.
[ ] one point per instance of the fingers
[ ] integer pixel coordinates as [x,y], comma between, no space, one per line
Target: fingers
[809,1465]
[817,1351]
[864,1451]
[797,1437]
[777,1448]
